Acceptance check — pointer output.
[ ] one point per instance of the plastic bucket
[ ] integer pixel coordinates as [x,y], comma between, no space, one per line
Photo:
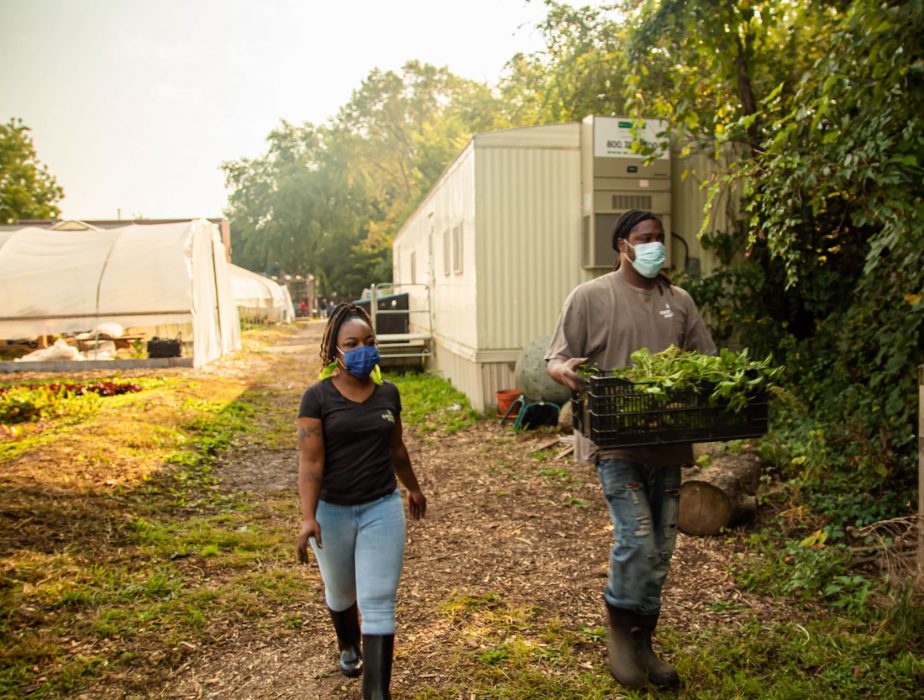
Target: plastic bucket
[505,397]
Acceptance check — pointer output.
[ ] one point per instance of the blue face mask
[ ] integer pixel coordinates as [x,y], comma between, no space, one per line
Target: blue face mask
[649,257]
[361,361]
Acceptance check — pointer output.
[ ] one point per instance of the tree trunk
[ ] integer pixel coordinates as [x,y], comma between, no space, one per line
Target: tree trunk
[921,476]
[721,495]
[746,94]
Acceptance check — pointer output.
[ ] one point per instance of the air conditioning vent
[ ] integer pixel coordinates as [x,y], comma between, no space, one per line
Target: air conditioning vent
[615,181]
[632,201]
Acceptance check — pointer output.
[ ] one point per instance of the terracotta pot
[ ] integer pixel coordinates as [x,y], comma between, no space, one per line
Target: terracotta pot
[505,397]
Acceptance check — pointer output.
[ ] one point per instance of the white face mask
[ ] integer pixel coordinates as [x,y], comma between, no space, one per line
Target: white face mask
[649,257]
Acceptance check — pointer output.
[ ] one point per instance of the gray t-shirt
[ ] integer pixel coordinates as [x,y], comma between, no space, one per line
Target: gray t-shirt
[606,320]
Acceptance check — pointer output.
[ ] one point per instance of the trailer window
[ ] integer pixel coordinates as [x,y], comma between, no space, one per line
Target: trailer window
[457,249]
[447,252]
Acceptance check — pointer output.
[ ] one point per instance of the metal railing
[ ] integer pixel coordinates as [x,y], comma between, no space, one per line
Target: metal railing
[409,340]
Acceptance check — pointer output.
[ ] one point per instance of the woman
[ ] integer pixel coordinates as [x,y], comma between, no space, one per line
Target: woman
[350,448]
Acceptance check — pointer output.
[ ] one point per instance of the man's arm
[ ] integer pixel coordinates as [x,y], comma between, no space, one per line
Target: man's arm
[562,371]
[569,341]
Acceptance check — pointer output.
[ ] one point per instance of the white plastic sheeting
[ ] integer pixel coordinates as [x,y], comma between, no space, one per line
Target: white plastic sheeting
[259,298]
[143,277]
[289,310]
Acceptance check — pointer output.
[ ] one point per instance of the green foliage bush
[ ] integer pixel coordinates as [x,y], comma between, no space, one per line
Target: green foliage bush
[849,437]
[810,569]
[826,266]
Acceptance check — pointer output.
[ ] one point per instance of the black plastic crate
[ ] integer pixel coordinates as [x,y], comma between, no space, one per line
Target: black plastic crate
[164,347]
[613,412]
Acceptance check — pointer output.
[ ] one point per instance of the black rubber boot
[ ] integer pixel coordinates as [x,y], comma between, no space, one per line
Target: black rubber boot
[622,648]
[378,650]
[659,672]
[346,624]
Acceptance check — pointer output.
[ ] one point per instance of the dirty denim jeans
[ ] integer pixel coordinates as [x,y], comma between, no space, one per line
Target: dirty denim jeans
[362,557]
[644,504]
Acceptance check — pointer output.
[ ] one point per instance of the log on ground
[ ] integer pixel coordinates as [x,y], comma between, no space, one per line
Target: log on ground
[720,495]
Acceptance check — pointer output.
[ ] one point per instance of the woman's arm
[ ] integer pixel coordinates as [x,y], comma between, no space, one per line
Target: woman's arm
[310,475]
[416,501]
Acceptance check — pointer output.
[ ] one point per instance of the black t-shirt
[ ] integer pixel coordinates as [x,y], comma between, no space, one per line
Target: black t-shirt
[357,441]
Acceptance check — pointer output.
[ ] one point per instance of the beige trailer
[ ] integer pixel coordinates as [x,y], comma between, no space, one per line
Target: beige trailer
[519,219]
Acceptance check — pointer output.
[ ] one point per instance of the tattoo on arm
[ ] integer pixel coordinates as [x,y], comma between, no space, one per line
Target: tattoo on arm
[308,431]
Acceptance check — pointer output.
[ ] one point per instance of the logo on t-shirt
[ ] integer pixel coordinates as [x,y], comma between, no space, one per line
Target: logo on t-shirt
[666,311]
[388,415]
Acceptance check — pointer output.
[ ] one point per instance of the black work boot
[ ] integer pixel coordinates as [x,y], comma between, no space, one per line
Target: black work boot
[659,672]
[378,650]
[622,649]
[346,624]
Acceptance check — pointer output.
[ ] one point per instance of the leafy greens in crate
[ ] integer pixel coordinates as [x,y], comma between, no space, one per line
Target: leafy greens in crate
[731,377]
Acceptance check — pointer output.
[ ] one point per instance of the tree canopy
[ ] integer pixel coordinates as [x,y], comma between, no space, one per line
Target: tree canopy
[27,189]
[328,199]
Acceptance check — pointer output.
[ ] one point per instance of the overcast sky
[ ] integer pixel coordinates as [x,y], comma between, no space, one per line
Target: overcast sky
[134,104]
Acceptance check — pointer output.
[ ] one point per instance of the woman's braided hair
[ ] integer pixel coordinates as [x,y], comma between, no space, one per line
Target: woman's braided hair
[342,313]
[624,225]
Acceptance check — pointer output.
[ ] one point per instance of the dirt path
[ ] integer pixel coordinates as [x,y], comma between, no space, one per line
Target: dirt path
[503,525]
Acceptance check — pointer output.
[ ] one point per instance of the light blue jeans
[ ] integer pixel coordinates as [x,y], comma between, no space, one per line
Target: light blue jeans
[362,557]
[644,505]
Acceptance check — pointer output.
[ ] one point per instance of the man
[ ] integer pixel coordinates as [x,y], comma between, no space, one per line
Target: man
[603,322]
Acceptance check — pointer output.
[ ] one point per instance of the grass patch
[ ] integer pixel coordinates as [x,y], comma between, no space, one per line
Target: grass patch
[505,652]
[430,403]
[119,551]
[556,473]
[813,658]
[575,502]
